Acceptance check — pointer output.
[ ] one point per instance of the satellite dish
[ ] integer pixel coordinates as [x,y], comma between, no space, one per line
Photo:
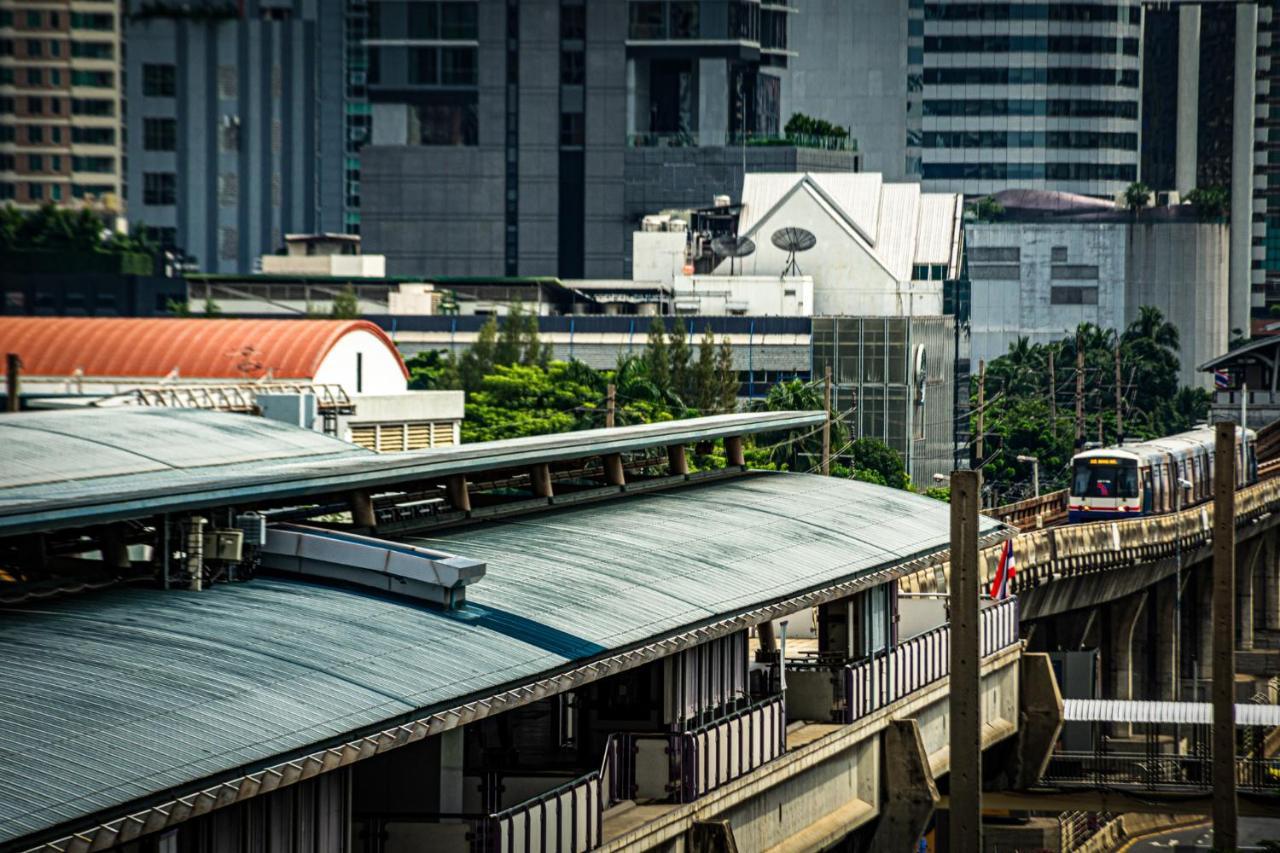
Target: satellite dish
[793,240]
[732,247]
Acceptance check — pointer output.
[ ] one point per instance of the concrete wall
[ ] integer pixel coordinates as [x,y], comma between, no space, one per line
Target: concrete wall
[1182,269]
[1179,267]
[851,69]
[1006,308]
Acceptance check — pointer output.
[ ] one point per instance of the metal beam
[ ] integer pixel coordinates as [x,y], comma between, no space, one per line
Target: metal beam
[1225,807]
[965,814]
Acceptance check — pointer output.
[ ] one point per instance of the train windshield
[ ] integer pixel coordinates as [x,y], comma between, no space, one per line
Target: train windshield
[1105,478]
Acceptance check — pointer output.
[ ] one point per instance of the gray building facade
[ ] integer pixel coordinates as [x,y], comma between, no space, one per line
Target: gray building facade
[528,138]
[236,125]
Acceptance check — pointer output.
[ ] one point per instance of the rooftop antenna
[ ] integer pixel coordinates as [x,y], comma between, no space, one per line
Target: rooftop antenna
[727,246]
[793,240]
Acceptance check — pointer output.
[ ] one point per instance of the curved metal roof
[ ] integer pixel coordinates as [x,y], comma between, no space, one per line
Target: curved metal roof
[72,468]
[131,347]
[110,698]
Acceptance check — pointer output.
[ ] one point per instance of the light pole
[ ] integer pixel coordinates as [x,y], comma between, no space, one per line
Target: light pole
[1035,472]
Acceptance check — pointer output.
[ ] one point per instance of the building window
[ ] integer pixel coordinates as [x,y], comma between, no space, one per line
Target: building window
[228,242]
[55,192]
[573,67]
[1058,254]
[158,80]
[572,129]
[988,254]
[1074,272]
[101,165]
[87,135]
[159,188]
[573,22]
[35,48]
[99,79]
[92,107]
[159,134]
[92,50]
[35,192]
[228,189]
[35,77]
[227,82]
[1073,296]
[458,66]
[35,106]
[35,163]
[423,66]
[33,20]
[458,21]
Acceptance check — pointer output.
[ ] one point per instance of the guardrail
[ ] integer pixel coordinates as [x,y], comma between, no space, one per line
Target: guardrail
[683,766]
[1034,513]
[566,819]
[1156,772]
[1077,549]
[882,679]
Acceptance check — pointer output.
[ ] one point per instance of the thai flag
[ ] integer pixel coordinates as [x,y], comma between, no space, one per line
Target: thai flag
[1221,380]
[1004,572]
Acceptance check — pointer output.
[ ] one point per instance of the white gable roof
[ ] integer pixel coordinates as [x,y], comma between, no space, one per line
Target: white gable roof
[898,224]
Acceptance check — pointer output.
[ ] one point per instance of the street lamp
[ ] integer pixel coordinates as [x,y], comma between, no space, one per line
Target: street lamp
[1035,472]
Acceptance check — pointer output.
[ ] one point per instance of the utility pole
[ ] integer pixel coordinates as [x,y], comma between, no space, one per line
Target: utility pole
[965,818]
[1079,392]
[611,404]
[1053,397]
[13,380]
[982,410]
[826,425]
[1119,400]
[1225,809]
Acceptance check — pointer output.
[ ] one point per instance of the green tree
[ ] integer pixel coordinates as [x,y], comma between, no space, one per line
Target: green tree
[1137,196]
[875,462]
[478,361]
[681,376]
[346,305]
[211,307]
[433,370]
[1212,203]
[798,449]
[656,356]
[987,209]
[727,376]
[706,385]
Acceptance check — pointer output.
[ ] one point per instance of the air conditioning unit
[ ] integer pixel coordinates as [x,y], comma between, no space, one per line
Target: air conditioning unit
[254,528]
[721,201]
[678,226]
[654,222]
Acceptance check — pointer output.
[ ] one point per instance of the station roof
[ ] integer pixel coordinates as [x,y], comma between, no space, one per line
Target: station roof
[1258,351]
[75,468]
[135,348]
[112,699]
[1137,711]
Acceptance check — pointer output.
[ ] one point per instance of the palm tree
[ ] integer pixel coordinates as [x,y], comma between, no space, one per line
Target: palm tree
[1152,326]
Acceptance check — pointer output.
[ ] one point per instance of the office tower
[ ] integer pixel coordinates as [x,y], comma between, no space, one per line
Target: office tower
[528,138]
[60,104]
[236,124]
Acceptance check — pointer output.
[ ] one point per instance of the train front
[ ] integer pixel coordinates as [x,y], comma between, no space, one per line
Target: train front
[1104,485]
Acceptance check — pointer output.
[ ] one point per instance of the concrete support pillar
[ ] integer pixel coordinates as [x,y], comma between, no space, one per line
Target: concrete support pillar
[614,475]
[1245,569]
[1163,620]
[540,480]
[712,836]
[1203,617]
[677,462]
[1040,707]
[734,456]
[456,487]
[1120,619]
[451,784]
[910,794]
[362,514]
[1188,98]
[1271,584]
[1240,279]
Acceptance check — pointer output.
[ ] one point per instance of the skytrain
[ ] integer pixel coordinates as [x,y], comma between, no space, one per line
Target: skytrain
[1144,478]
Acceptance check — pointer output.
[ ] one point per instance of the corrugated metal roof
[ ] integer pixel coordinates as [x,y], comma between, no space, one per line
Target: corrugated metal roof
[1193,713]
[131,463]
[108,697]
[903,225]
[133,347]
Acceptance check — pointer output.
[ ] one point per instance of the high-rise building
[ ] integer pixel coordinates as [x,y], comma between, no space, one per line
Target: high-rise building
[237,124]
[528,137]
[60,104]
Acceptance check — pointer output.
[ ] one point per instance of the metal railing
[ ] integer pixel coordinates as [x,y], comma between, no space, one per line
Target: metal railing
[681,766]
[882,679]
[1079,549]
[1034,513]
[237,397]
[567,819]
[1162,772]
[721,139]
[1075,828]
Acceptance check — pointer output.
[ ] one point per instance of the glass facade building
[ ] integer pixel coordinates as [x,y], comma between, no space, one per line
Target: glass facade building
[1033,95]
